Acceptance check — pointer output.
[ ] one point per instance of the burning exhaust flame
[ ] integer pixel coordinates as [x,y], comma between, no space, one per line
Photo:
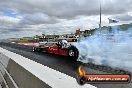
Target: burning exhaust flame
[81,71]
[110,48]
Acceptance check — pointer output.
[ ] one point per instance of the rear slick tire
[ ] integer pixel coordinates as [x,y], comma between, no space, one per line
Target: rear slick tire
[73,53]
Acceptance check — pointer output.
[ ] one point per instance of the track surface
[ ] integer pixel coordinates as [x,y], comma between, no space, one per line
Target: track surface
[64,64]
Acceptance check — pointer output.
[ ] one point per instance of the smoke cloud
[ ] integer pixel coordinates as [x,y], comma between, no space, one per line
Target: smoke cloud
[110,48]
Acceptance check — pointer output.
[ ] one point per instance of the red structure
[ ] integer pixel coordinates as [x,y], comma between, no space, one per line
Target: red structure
[78,30]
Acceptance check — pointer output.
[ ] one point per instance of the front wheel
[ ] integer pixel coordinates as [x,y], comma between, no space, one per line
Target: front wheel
[34,49]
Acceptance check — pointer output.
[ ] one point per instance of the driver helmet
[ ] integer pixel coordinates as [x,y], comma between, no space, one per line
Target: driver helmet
[64,41]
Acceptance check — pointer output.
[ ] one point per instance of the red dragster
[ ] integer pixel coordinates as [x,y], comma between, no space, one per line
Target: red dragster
[60,48]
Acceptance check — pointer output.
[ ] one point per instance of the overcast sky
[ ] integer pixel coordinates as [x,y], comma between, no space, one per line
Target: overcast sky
[30,17]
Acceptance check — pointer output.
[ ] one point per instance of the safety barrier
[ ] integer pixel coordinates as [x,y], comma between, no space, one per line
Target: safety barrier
[9,76]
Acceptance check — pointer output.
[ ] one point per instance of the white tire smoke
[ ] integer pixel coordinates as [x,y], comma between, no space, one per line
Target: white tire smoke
[111,49]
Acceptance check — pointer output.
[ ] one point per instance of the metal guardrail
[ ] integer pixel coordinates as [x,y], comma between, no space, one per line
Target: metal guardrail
[4,80]
[2,75]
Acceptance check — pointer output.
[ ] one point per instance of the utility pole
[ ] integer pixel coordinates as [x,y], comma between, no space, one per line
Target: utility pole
[100,16]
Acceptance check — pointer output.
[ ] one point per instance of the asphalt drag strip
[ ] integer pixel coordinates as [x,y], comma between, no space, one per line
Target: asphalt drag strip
[64,64]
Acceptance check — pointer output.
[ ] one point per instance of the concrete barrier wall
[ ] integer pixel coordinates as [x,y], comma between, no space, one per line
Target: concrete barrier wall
[22,77]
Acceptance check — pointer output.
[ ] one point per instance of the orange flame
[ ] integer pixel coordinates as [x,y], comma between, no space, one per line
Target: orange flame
[81,71]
